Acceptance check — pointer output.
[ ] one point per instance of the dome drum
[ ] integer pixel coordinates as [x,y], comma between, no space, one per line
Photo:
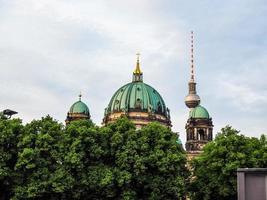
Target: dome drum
[200,122]
[138,118]
[76,116]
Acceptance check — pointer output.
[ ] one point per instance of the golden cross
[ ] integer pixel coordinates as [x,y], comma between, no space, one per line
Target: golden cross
[138,54]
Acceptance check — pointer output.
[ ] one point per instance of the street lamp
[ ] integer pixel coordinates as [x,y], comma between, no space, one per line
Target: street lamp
[7,113]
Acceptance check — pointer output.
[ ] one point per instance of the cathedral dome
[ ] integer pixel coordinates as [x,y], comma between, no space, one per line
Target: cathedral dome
[137,96]
[79,107]
[138,101]
[199,112]
[78,110]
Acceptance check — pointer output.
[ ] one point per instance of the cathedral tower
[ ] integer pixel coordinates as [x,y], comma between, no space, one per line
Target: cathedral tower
[199,125]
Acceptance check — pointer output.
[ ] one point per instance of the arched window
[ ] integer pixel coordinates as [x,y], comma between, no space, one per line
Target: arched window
[201,134]
[188,135]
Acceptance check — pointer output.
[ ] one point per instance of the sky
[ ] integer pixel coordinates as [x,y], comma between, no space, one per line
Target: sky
[50,50]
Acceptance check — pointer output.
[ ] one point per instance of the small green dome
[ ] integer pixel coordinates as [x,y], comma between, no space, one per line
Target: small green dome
[79,107]
[199,112]
[179,141]
[137,96]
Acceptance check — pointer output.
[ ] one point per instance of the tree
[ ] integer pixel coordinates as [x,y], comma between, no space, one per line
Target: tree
[10,130]
[214,171]
[120,162]
[147,163]
[39,160]
[86,158]
[45,160]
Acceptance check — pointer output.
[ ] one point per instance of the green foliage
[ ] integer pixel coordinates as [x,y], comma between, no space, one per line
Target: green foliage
[214,171]
[45,160]
[85,154]
[10,130]
[39,157]
[147,163]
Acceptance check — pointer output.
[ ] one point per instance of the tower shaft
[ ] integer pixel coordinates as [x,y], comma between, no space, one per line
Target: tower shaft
[192,99]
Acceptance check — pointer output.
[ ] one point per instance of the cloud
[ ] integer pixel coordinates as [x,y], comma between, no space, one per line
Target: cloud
[245,86]
[51,50]
[245,98]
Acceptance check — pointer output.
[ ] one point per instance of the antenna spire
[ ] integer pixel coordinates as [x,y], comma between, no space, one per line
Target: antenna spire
[192,57]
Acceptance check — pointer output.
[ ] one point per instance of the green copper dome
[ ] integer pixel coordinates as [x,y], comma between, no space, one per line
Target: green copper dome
[179,141]
[78,111]
[199,112]
[138,101]
[137,96]
[79,107]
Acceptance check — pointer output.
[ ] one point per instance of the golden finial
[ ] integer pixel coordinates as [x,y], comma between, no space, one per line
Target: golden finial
[137,69]
[80,96]
[192,56]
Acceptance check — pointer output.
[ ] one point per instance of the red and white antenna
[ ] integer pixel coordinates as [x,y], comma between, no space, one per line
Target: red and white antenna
[192,56]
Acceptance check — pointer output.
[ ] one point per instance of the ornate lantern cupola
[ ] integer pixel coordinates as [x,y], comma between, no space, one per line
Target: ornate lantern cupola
[137,74]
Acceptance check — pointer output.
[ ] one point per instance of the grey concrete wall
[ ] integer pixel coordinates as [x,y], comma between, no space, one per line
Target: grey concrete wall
[252,183]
